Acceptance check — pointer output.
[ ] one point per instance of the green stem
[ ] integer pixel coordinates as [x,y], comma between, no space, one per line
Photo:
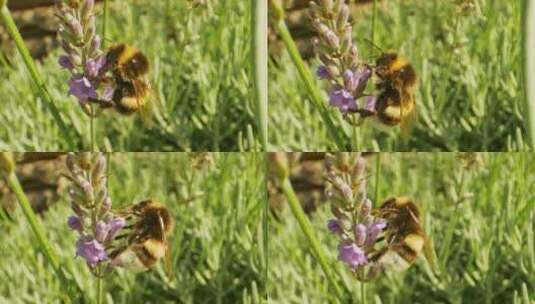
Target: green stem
[70,286]
[529,66]
[260,73]
[377,179]
[304,72]
[356,138]
[36,77]
[374,14]
[92,130]
[99,290]
[307,228]
[105,17]
[362,292]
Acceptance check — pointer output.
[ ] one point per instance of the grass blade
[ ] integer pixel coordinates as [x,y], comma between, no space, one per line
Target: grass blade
[529,66]
[259,24]
[11,28]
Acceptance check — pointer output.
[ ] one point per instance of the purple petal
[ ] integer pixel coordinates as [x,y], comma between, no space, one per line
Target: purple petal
[101,231]
[107,95]
[115,224]
[360,234]
[65,62]
[323,72]
[91,250]
[334,226]
[374,230]
[370,104]
[342,99]
[366,207]
[93,66]
[75,223]
[352,255]
[361,80]
[82,88]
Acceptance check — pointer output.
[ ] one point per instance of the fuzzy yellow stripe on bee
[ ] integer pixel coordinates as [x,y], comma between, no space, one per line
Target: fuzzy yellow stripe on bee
[126,54]
[398,64]
[155,248]
[415,242]
[393,112]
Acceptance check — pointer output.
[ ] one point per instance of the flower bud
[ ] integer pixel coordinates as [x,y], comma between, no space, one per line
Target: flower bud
[115,225]
[99,168]
[94,47]
[87,9]
[7,164]
[332,39]
[334,226]
[101,231]
[75,28]
[65,62]
[343,15]
[75,223]
[360,234]
[366,207]
[90,30]
[279,165]
[327,6]
[83,159]
[106,205]
[77,209]
[342,161]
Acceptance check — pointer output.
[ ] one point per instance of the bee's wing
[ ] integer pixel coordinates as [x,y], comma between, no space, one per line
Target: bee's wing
[167,258]
[145,100]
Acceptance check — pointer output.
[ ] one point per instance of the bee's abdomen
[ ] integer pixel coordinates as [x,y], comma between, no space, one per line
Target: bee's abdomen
[150,251]
[411,246]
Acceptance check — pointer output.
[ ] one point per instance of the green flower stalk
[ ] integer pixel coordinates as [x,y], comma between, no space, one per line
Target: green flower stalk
[68,132]
[7,168]
[337,133]
[260,55]
[280,170]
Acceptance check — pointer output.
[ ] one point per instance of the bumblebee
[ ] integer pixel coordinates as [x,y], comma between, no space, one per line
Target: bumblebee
[397,80]
[130,69]
[146,237]
[404,236]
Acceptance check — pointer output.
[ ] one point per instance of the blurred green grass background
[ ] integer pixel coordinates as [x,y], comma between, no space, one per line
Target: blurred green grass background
[467,54]
[200,60]
[480,217]
[217,244]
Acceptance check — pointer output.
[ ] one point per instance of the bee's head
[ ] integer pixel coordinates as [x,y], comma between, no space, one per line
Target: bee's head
[391,206]
[384,63]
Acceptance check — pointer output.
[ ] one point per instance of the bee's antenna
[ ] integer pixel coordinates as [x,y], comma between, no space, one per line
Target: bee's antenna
[374,45]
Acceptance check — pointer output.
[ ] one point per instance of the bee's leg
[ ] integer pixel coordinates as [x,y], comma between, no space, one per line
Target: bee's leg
[414,217]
